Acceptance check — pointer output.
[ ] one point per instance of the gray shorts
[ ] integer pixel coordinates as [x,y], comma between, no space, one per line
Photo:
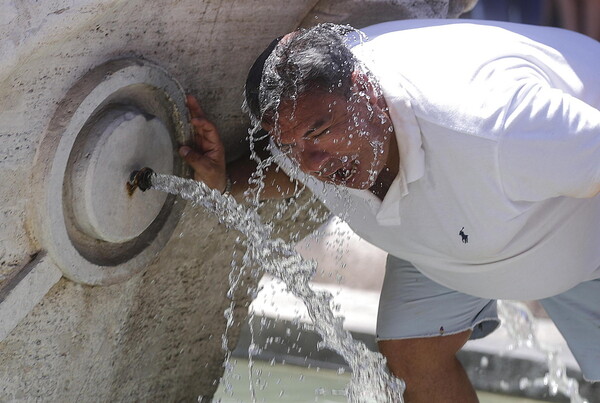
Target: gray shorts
[413,306]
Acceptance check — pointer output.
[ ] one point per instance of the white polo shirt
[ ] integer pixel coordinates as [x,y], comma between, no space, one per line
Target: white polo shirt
[498,130]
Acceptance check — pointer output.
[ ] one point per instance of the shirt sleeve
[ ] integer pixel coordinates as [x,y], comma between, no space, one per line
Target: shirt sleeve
[550,145]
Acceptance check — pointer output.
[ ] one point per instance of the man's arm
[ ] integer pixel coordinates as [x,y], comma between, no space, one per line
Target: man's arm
[207,157]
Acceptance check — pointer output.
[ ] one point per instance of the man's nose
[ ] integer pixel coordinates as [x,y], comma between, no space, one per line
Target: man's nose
[313,161]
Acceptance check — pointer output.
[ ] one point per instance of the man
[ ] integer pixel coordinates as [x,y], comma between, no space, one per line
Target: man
[470,152]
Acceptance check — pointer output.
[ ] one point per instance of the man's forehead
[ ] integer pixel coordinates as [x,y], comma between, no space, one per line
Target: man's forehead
[295,117]
[289,116]
[295,121]
[311,103]
[297,125]
[284,127]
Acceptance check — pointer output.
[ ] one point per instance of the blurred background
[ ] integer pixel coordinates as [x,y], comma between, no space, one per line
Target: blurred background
[578,15]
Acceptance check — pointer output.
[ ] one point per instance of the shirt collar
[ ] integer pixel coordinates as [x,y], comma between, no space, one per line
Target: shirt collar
[408,133]
[412,156]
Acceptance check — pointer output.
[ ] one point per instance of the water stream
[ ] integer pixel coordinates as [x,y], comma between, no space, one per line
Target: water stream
[370,382]
[520,325]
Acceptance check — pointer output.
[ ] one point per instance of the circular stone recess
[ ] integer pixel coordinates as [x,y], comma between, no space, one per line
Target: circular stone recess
[121,116]
[126,140]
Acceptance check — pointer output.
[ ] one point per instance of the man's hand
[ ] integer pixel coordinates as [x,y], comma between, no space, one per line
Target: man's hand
[207,155]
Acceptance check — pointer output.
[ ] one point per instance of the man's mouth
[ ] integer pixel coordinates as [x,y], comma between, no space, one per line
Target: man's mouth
[343,174]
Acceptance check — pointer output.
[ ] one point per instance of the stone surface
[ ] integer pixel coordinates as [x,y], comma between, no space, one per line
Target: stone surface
[76,208]
[25,290]
[106,208]
[362,13]
[156,336]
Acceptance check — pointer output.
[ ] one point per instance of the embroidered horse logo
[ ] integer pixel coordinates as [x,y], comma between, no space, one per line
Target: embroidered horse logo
[465,237]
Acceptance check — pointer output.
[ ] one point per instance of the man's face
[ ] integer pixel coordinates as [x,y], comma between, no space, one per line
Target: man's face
[336,139]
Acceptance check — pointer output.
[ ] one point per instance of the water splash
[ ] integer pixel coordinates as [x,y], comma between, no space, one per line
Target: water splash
[520,326]
[371,382]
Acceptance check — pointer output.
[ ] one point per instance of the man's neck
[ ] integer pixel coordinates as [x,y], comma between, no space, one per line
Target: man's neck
[389,172]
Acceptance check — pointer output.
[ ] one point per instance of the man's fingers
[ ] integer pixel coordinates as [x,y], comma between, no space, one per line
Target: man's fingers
[194,107]
[191,157]
[207,136]
[200,163]
[207,151]
[184,151]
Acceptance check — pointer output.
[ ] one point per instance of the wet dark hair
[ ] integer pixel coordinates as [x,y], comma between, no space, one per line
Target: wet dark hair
[254,78]
[310,58]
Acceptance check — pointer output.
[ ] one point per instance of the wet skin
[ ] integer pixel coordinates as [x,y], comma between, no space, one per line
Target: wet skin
[339,140]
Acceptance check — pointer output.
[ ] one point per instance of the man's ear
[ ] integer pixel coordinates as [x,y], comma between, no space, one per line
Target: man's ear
[361,82]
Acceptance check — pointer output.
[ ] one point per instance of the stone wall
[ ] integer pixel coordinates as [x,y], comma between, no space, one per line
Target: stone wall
[156,336]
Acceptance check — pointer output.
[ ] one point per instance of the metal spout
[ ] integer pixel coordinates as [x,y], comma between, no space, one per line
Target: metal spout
[141,179]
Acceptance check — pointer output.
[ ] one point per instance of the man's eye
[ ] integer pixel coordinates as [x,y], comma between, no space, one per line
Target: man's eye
[319,134]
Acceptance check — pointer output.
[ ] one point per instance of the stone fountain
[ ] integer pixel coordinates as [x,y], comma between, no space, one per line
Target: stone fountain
[107,295]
